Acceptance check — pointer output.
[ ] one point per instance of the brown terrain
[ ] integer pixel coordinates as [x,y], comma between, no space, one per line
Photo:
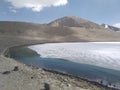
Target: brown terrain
[67,29]
[63,29]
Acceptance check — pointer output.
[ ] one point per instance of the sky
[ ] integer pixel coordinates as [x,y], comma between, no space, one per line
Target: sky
[45,11]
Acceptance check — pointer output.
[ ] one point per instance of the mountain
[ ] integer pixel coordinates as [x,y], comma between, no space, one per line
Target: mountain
[64,29]
[71,21]
[110,27]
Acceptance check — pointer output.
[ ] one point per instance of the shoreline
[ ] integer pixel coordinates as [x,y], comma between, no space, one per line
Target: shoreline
[54,71]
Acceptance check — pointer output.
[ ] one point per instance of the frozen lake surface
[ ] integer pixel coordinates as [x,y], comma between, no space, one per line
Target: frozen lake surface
[103,54]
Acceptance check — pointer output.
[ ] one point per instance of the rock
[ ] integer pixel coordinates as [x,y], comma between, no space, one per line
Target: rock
[16,68]
[6,72]
[68,85]
[47,86]
[32,77]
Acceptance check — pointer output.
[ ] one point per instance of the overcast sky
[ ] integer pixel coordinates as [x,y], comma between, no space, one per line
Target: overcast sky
[44,11]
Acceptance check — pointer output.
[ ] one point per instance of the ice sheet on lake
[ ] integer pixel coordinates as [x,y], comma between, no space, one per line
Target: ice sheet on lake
[104,54]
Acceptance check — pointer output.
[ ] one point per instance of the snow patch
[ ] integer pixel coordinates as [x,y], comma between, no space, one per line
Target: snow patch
[106,26]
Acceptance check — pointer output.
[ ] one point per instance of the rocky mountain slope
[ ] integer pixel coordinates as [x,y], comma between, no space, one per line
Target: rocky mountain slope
[71,21]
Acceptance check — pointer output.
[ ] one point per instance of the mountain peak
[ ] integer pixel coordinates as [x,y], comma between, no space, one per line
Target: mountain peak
[70,17]
[72,21]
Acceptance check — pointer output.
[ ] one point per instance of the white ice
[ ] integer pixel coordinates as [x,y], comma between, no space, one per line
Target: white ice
[103,54]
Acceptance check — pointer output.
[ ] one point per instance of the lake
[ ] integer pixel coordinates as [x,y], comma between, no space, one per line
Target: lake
[97,61]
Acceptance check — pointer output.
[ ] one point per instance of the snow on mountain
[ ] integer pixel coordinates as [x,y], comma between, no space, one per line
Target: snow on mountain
[113,28]
[106,26]
[100,54]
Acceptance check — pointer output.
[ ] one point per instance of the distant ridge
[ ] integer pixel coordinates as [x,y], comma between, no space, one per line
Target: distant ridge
[110,27]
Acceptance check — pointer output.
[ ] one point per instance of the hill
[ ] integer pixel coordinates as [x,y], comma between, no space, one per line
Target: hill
[68,28]
[72,21]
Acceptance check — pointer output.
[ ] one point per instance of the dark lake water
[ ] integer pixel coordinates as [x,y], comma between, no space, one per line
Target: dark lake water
[91,72]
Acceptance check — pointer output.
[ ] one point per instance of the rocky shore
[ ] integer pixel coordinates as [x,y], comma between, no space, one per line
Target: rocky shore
[17,76]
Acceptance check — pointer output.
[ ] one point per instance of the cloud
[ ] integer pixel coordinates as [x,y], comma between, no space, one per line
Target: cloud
[117,25]
[36,5]
[12,10]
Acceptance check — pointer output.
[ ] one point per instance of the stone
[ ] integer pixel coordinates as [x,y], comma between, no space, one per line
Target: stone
[6,72]
[16,68]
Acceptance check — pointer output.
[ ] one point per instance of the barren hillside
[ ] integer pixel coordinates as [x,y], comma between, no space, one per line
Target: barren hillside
[63,29]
